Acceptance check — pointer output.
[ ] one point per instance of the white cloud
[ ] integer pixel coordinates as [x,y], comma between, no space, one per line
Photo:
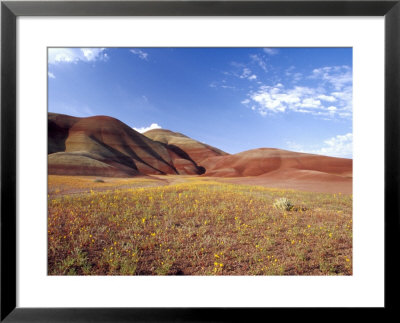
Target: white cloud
[74,55]
[140,53]
[331,97]
[246,73]
[338,76]
[278,99]
[151,127]
[309,103]
[94,54]
[271,51]
[328,98]
[304,111]
[291,145]
[345,98]
[237,65]
[67,55]
[51,75]
[227,87]
[221,85]
[337,146]
[294,76]
[345,114]
[259,60]
[339,80]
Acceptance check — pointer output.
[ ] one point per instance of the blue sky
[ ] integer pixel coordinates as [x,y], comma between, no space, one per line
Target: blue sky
[235,99]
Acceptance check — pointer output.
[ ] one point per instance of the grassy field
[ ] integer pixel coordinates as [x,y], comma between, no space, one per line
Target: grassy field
[194,226]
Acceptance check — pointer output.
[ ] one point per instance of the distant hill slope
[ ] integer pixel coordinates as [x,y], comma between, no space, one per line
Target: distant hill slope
[196,150]
[263,161]
[105,146]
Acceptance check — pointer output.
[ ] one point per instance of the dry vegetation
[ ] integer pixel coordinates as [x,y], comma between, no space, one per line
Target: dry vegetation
[197,227]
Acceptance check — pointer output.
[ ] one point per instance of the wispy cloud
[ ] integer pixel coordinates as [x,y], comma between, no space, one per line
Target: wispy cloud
[338,76]
[260,61]
[51,75]
[73,109]
[88,111]
[337,146]
[270,51]
[292,75]
[243,71]
[151,127]
[142,55]
[328,98]
[74,55]
[223,85]
[246,73]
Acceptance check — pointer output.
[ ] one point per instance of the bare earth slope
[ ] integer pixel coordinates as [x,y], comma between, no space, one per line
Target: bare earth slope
[104,146]
[261,161]
[197,151]
[107,147]
[285,169]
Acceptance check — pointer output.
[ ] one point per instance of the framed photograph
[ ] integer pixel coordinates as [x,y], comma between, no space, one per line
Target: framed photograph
[192,160]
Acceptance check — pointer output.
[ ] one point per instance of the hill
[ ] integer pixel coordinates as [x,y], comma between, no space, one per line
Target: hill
[283,169]
[262,161]
[197,151]
[105,146]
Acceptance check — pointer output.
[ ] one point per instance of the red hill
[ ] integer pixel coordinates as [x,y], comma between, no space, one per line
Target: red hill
[105,146]
[263,161]
[284,169]
[197,151]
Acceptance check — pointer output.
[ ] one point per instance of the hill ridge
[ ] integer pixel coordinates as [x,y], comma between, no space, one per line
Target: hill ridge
[105,146]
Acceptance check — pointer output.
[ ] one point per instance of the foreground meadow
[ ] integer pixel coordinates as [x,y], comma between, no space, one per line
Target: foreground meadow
[194,226]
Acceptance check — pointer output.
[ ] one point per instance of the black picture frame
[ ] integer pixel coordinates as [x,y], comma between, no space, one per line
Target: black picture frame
[10,10]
